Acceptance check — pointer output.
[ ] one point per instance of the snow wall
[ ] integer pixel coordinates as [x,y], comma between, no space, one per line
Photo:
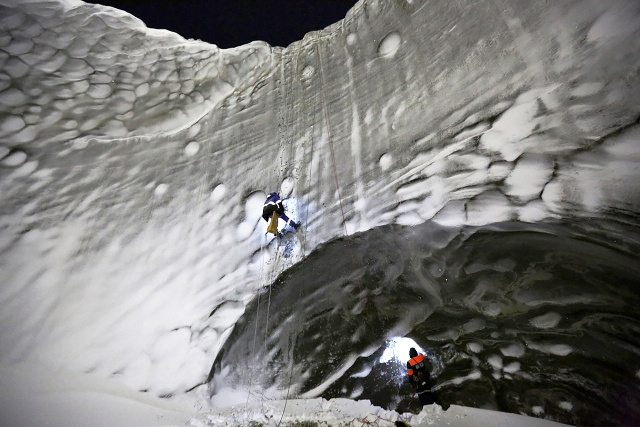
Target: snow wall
[134,163]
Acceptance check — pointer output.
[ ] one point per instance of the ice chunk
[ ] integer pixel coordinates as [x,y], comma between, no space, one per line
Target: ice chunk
[534,211]
[529,176]
[489,207]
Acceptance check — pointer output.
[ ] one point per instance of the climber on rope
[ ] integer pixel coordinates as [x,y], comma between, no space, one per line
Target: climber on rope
[272,210]
[420,380]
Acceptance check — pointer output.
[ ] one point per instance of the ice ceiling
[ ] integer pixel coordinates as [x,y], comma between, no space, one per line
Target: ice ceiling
[133,163]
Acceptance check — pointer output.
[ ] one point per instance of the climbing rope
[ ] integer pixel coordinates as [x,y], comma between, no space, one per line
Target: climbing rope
[326,121]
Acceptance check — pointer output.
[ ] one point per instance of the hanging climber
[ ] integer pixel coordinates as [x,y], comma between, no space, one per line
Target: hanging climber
[420,380]
[273,210]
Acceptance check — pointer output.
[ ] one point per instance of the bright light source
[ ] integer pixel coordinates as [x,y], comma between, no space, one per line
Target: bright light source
[398,348]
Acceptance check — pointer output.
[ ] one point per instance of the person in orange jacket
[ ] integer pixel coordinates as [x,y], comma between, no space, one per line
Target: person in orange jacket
[420,380]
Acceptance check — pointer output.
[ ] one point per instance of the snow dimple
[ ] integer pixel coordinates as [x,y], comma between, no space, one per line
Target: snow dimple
[492,309]
[513,350]
[252,213]
[567,406]
[14,159]
[218,193]
[474,347]
[192,148]
[11,124]
[512,367]
[142,89]
[546,321]
[555,349]
[495,361]
[12,97]
[27,134]
[474,325]
[161,189]
[615,24]
[389,45]
[286,188]
[26,169]
[386,161]
[587,89]
[308,72]
[20,46]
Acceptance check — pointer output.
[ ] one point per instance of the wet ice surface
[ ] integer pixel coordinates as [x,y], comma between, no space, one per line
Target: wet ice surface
[133,164]
[538,320]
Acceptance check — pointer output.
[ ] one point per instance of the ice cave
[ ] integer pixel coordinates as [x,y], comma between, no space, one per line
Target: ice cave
[467,179]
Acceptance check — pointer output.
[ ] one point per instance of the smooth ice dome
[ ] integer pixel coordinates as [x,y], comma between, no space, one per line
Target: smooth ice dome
[134,164]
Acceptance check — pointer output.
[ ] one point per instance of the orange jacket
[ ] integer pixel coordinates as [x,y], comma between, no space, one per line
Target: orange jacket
[415,364]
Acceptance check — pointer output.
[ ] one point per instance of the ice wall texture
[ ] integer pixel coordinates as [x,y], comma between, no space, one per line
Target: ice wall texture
[134,162]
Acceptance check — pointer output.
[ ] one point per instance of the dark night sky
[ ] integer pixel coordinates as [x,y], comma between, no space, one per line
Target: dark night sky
[230,23]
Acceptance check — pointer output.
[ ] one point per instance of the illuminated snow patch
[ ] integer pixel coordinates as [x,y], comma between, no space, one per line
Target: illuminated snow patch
[398,348]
